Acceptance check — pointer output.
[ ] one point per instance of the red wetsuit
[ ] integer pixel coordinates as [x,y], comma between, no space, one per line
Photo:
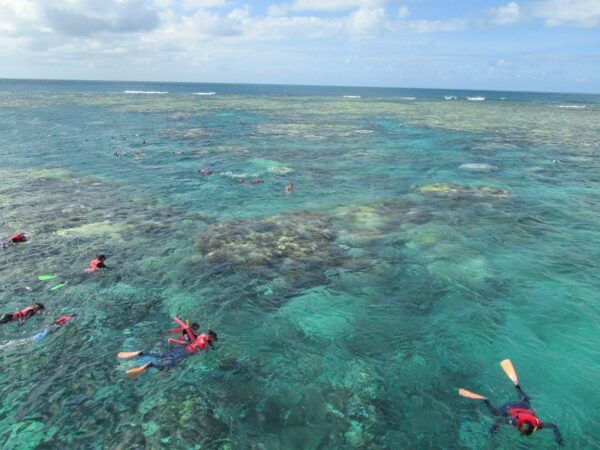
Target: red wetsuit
[95,264]
[519,412]
[21,315]
[19,237]
[24,314]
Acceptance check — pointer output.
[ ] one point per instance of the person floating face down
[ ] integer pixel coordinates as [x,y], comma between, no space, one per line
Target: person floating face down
[97,263]
[518,413]
[56,325]
[14,239]
[186,345]
[22,315]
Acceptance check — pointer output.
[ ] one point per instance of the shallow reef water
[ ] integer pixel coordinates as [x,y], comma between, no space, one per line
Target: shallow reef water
[423,242]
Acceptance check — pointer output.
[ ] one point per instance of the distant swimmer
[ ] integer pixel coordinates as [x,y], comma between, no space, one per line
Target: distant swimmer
[14,239]
[56,325]
[188,344]
[257,181]
[53,328]
[240,180]
[518,413]
[97,263]
[290,187]
[117,154]
[205,172]
[22,315]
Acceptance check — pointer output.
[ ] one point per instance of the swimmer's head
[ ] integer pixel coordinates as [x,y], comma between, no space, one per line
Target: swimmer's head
[526,428]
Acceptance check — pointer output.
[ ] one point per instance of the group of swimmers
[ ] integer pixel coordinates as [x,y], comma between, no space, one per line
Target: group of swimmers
[241,180]
[191,341]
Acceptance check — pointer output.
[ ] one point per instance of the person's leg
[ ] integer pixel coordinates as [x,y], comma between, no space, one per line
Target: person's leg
[493,411]
[169,360]
[154,354]
[164,364]
[8,317]
[523,397]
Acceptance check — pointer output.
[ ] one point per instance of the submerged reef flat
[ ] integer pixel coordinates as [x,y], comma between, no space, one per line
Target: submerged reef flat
[420,240]
[297,238]
[453,190]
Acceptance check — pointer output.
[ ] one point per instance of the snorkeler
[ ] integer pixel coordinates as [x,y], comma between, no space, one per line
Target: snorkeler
[22,315]
[188,344]
[96,264]
[257,181]
[518,413]
[14,239]
[53,328]
[205,172]
[290,187]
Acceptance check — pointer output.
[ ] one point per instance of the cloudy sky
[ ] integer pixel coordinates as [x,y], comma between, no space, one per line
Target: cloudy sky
[547,45]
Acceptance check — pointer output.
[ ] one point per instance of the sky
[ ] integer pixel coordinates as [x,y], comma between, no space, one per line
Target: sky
[536,45]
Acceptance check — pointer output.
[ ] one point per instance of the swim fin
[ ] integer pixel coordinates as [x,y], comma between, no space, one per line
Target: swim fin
[58,286]
[469,394]
[46,277]
[510,371]
[132,373]
[125,355]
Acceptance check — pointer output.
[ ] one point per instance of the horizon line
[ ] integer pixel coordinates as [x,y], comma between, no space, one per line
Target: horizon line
[297,85]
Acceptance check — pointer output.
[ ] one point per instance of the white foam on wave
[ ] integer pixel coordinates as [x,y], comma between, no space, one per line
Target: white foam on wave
[476,99]
[364,131]
[450,97]
[351,96]
[204,93]
[477,167]
[145,92]
[407,98]
[572,106]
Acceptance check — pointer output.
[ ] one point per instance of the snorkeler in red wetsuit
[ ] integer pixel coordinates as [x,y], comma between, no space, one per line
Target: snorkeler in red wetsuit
[14,239]
[22,315]
[188,344]
[518,413]
[96,264]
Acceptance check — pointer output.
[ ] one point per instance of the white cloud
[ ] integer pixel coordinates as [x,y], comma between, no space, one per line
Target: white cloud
[191,5]
[507,14]
[576,13]
[278,10]
[434,26]
[366,22]
[336,5]
[403,12]
[500,66]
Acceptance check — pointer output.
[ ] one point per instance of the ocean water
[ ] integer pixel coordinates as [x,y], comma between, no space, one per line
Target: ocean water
[425,240]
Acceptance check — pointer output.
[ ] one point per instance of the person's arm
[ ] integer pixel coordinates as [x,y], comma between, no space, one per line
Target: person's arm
[557,436]
[498,422]
[179,341]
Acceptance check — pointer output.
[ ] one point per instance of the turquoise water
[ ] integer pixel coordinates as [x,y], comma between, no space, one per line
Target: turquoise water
[425,240]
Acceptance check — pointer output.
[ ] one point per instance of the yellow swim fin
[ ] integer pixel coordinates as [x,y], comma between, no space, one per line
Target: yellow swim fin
[132,373]
[469,394]
[125,355]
